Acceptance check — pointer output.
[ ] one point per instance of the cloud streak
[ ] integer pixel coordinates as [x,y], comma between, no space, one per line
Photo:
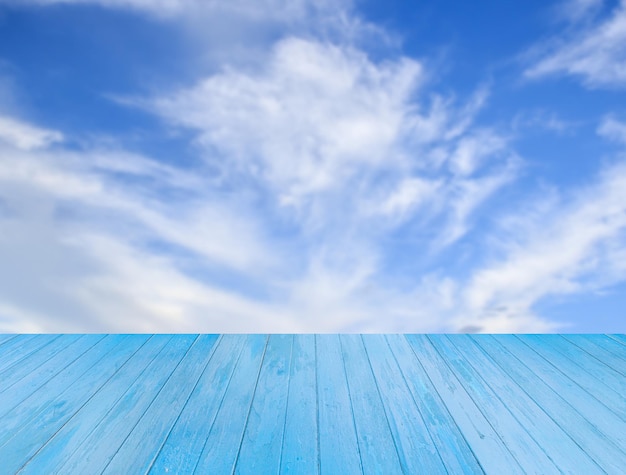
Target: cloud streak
[594,52]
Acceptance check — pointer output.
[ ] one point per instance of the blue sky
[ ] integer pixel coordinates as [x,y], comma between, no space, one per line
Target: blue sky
[312,165]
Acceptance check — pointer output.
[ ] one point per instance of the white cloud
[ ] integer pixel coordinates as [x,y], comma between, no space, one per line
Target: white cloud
[320,124]
[571,246]
[594,52]
[578,10]
[613,129]
[24,136]
[308,121]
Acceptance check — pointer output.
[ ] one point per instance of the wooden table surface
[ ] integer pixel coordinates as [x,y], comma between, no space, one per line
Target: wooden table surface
[307,404]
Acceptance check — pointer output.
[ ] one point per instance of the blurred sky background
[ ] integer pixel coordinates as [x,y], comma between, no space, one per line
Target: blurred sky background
[312,166]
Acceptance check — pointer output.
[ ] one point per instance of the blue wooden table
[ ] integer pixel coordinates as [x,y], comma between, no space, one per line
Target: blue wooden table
[307,404]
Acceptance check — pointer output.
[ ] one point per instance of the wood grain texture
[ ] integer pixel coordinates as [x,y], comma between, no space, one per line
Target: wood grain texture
[312,404]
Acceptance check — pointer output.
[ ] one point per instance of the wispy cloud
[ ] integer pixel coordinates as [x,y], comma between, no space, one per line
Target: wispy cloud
[571,245]
[25,136]
[593,51]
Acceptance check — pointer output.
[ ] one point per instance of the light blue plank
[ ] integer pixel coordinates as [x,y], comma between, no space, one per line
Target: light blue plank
[517,430]
[378,451]
[222,444]
[416,448]
[582,436]
[6,337]
[263,436]
[338,446]
[29,383]
[603,448]
[456,454]
[585,361]
[588,406]
[31,365]
[49,413]
[103,442]
[593,384]
[620,338]
[609,344]
[601,350]
[20,348]
[139,449]
[478,428]
[182,449]
[41,399]
[300,440]
[67,440]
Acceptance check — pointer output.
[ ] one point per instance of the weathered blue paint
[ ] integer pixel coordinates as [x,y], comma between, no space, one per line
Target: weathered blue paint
[308,404]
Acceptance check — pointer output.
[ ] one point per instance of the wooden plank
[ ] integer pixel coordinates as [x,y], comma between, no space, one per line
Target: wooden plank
[572,369]
[20,348]
[599,349]
[49,414]
[4,337]
[183,446]
[139,449]
[454,450]
[587,405]
[414,443]
[519,431]
[102,443]
[300,439]
[224,439]
[61,357]
[610,344]
[31,365]
[620,338]
[41,399]
[338,445]
[585,361]
[262,439]
[486,437]
[68,438]
[377,447]
[587,437]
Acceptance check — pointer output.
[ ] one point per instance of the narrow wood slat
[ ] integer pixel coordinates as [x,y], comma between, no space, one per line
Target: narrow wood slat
[222,444]
[338,445]
[588,438]
[300,440]
[572,369]
[41,399]
[587,405]
[620,338]
[182,449]
[609,344]
[503,415]
[262,440]
[585,361]
[4,337]
[19,348]
[106,438]
[67,440]
[454,450]
[377,447]
[599,350]
[32,365]
[415,446]
[139,449]
[56,411]
[486,443]
[27,385]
